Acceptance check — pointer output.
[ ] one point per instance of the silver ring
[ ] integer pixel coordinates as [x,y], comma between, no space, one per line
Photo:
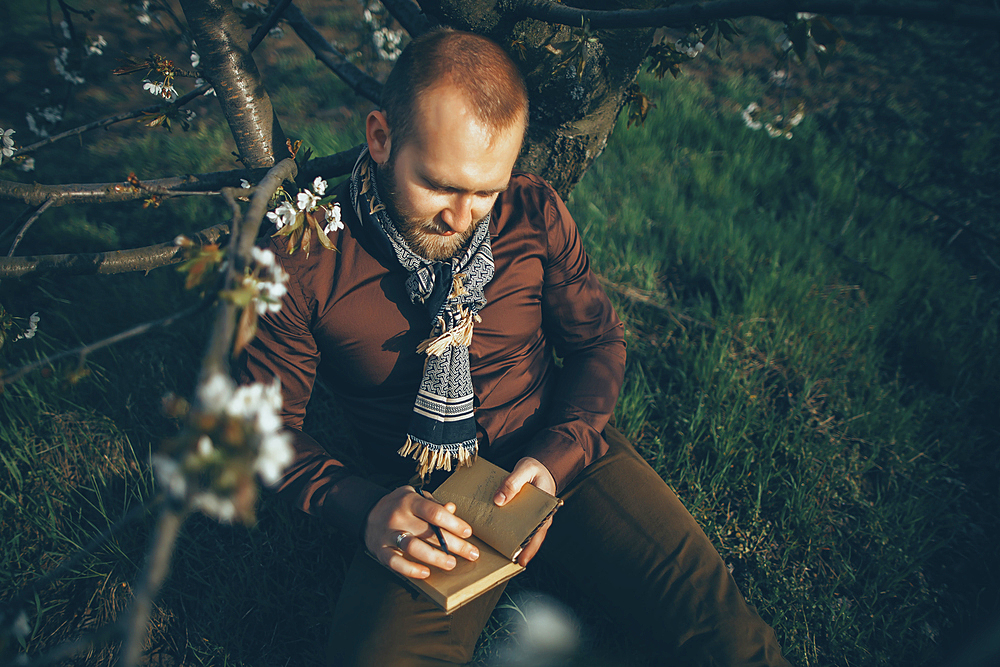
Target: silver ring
[399,540]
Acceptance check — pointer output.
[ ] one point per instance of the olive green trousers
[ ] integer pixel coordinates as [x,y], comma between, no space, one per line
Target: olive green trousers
[622,536]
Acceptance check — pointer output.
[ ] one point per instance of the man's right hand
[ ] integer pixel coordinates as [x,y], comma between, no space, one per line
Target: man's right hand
[406,512]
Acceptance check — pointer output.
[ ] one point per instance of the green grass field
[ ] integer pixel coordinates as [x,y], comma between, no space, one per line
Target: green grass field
[813,366]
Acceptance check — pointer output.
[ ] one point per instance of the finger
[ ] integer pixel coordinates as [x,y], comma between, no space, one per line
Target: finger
[534,544]
[397,563]
[434,513]
[511,485]
[456,545]
[419,550]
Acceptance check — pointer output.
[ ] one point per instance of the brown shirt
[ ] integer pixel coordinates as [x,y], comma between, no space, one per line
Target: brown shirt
[347,317]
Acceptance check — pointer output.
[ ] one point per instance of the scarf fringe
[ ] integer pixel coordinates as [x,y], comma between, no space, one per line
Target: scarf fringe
[459,335]
[430,459]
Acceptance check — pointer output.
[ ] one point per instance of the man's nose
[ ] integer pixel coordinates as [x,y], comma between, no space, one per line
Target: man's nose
[458,215]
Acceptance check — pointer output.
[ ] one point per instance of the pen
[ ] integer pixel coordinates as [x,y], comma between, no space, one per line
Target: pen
[437,531]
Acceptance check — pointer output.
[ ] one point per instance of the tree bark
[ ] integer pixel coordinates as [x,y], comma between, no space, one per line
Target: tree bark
[227,64]
[572,113]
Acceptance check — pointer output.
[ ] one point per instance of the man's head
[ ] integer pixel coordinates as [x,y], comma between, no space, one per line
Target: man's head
[452,121]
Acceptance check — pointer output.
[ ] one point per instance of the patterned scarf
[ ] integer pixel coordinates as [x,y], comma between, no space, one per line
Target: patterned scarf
[442,427]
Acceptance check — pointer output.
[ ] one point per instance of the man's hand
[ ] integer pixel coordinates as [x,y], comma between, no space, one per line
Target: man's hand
[527,471]
[405,512]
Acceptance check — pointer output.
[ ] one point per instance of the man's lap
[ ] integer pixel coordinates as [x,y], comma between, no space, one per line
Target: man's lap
[624,537]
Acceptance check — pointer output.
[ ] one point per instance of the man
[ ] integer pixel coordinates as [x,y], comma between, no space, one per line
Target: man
[435,323]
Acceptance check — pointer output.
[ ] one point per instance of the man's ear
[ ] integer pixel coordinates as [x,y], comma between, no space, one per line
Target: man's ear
[377,134]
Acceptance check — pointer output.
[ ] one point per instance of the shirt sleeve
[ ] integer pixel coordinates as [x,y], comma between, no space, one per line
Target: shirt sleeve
[315,482]
[580,322]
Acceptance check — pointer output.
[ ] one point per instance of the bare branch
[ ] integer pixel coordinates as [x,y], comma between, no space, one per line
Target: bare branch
[361,83]
[409,15]
[111,120]
[243,236]
[684,15]
[26,225]
[191,184]
[157,567]
[266,26]
[84,350]
[106,263]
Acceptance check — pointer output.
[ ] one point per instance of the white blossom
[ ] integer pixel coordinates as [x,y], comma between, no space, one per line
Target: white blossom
[333,219]
[199,82]
[168,472]
[262,256]
[96,47]
[28,164]
[245,184]
[7,145]
[61,61]
[687,48]
[750,116]
[307,201]
[52,114]
[319,186]
[65,30]
[195,59]
[215,392]
[33,126]
[144,18]
[22,627]
[167,92]
[215,505]
[285,214]
[804,16]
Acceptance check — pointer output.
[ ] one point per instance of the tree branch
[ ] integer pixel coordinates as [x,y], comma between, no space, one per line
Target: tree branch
[361,83]
[243,236]
[409,15]
[684,15]
[191,184]
[266,26]
[111,120]
[27,224]
[157,567]
[117,261]
[228,65]
[84,350]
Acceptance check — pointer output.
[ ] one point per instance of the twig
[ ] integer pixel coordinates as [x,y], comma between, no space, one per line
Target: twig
[988,258]
[649,299]
[157,567]
[266,26]
[111,120]
[106,263]
[84,350]
[409,15]
[27,224]
[244,233]
[27,592]
[360,83]
[190,184]
[678,16]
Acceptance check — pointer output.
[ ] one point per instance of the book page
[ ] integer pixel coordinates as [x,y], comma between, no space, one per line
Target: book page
[504,528]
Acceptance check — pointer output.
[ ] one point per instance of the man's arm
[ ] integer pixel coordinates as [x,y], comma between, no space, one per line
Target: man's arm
[319,484]
[581,324]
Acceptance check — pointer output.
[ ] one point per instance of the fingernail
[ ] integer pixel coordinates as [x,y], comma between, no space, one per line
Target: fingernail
[474,554]
[466,532]
[500,499]
[451,562]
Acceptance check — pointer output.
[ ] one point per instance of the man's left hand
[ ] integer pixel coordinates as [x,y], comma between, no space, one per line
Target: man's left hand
[527,471]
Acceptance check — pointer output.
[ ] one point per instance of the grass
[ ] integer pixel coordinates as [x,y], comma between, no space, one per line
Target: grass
[813,366]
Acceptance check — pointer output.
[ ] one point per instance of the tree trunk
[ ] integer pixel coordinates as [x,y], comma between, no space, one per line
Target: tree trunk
[227,64]
[572,113]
